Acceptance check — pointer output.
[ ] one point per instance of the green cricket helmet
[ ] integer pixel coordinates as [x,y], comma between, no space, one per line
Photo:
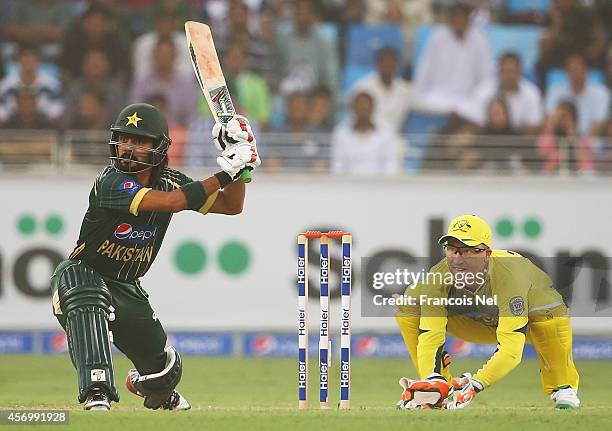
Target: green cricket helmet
[141,120]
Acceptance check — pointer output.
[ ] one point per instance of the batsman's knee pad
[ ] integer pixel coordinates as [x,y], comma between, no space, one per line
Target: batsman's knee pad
[157,387]
[86,303]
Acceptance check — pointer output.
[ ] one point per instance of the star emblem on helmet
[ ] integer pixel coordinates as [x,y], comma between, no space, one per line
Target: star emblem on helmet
[133,119]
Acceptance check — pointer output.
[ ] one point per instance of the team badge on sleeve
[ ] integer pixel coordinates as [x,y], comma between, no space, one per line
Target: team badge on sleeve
[517,305]
[130,187]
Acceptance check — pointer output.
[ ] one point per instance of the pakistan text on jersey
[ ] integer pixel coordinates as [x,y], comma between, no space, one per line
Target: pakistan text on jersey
[126,254]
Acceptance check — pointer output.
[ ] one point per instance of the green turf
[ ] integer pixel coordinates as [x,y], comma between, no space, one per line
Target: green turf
[261,394]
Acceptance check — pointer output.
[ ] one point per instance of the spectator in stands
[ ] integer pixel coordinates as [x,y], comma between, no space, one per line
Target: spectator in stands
[250,93]
[180,90]
[215,14]
[258,52]
[181,10]
[177,132]
[361,146]
[456,59]
[393,96]
[304,58]
[237,20]
[560,143]
[296,121]
[409,14]
[498,121]
[322,113]
[166,26]
[39,21]
[95,77]
[27,114]
[472,148]
[93,30]
[500,145]
[592,100]
[87,112]
[296,114]
[572,27]
[125,19]
[523,98]
[47,90]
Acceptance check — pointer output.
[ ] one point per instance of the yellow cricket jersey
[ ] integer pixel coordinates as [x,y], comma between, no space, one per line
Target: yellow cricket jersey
[512,282]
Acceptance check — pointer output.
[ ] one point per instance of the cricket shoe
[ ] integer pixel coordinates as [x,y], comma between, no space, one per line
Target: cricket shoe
[97,400]
[565,397]
[174,402]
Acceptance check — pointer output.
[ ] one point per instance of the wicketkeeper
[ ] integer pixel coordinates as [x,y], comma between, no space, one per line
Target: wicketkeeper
[528,309]
[97,296]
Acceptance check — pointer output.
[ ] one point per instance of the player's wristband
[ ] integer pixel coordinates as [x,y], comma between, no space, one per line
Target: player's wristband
[224,179]
[195,194]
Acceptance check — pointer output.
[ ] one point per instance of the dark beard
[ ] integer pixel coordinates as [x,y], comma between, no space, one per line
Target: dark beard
[130,164]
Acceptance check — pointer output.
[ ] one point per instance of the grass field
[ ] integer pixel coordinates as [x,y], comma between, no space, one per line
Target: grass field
[261,394]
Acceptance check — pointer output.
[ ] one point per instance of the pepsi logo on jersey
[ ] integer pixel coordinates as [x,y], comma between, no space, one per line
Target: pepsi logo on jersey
[135,234]
[130,187]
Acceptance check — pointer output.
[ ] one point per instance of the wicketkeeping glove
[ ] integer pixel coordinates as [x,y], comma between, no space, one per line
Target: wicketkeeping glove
[466,389]
[238,157]
[431,392]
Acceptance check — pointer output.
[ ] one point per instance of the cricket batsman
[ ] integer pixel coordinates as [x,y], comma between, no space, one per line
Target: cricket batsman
[523,307]
[97,295]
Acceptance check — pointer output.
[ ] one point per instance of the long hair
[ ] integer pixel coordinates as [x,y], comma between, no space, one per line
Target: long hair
[157,171]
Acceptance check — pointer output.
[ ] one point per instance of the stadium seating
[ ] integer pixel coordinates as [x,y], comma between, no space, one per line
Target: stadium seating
[419,127]
[527,6]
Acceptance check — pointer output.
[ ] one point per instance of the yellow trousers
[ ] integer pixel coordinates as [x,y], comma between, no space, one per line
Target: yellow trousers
[550,335]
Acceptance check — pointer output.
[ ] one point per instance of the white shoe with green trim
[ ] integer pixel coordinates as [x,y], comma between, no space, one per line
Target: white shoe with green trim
[565,397]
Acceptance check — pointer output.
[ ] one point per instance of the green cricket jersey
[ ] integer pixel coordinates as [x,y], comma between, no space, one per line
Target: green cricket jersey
[116,239]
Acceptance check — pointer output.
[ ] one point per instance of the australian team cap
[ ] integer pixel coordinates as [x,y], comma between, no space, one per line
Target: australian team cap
[470,230]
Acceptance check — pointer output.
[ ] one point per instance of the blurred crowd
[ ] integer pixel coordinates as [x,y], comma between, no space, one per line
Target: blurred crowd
[306,67]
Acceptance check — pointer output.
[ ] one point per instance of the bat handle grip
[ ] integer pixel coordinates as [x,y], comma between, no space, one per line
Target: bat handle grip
[246,176]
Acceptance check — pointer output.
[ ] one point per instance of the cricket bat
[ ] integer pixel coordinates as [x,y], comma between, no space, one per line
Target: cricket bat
[210,76]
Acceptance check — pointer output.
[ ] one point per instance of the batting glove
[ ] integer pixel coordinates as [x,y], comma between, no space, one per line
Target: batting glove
[431,392]
[235,131]
[467,388]
[237,157]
